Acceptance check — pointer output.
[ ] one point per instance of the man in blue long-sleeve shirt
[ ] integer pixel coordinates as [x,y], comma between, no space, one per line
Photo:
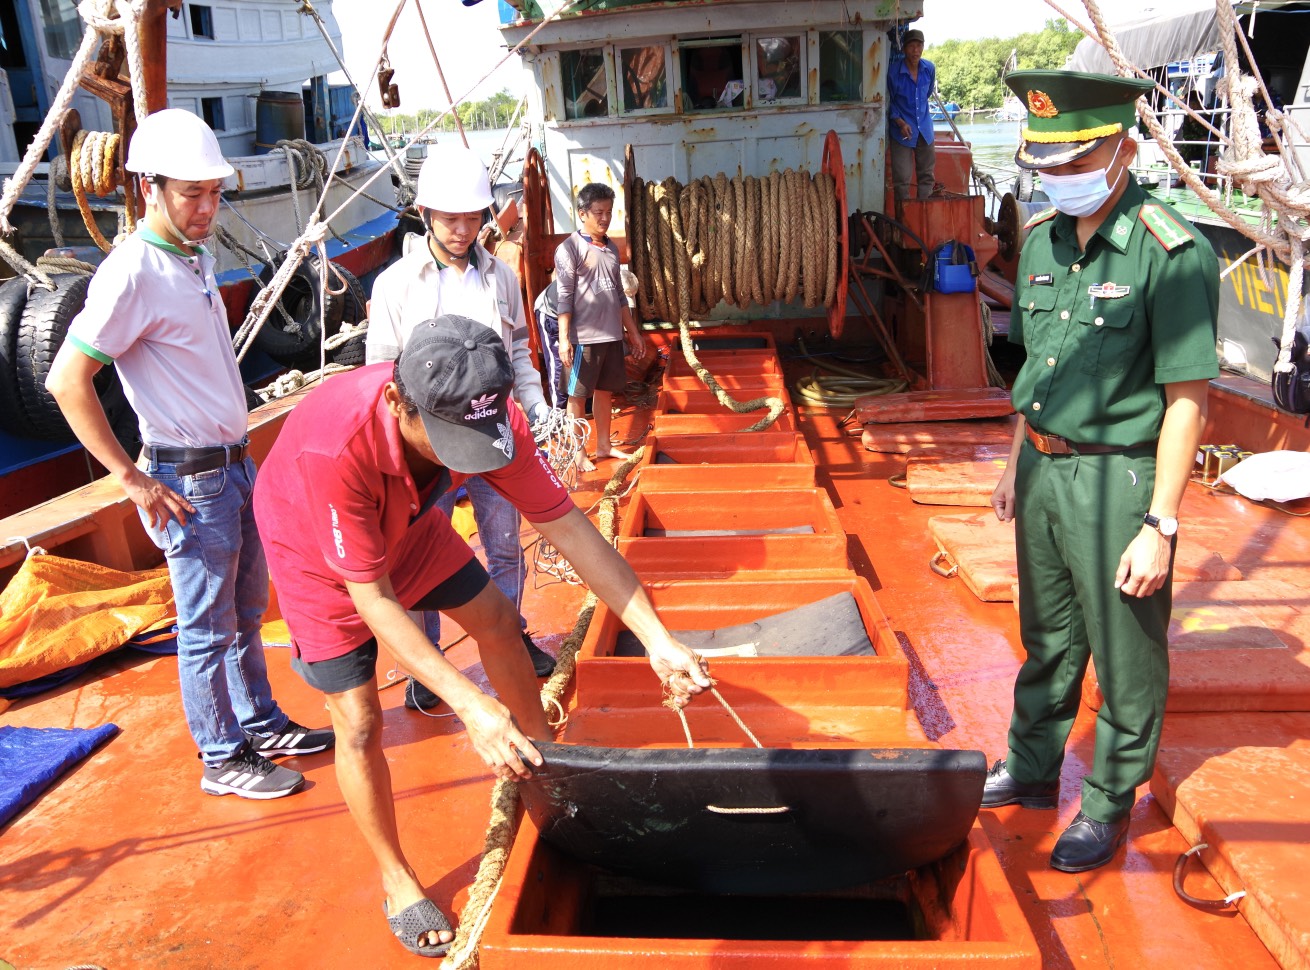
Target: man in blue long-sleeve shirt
[910,83]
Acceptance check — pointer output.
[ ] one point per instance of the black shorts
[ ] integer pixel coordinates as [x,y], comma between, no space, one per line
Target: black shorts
[358,667]
[597,367]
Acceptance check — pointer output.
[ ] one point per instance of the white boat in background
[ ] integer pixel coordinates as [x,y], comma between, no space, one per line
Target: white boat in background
[259,72]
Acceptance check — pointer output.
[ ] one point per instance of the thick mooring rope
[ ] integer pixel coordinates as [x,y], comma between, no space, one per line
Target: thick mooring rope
[746,241]
[91,168]
[463,953]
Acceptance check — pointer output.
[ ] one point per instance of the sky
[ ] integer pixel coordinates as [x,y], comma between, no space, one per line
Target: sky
[470,45]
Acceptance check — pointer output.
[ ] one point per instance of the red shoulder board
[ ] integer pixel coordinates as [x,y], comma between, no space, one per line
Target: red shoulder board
[1041,217]
[1167,230]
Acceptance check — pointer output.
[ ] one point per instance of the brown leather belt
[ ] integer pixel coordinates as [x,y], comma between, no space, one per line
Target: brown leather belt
[1053,444]
[193,461]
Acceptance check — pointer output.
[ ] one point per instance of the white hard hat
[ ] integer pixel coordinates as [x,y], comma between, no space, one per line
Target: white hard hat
[453,179]
[178,145]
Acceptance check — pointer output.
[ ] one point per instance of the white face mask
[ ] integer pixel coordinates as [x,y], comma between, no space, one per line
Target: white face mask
[1082,194]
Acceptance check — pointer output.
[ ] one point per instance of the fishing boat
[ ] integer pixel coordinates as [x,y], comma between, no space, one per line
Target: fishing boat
[873,639]
[258,72]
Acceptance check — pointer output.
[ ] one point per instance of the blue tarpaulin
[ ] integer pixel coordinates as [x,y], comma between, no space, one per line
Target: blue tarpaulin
[32,758]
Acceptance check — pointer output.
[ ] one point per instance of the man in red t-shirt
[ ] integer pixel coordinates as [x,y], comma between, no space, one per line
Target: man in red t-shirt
[344,504]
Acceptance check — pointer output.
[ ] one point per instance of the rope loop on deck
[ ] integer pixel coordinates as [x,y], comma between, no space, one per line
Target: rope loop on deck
[1214,905]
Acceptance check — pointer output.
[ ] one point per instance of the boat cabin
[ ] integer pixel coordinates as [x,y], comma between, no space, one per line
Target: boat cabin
[697,89]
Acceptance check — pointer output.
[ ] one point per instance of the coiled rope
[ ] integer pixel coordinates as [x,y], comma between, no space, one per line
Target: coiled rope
[92,166]
[746,241]
[743,241]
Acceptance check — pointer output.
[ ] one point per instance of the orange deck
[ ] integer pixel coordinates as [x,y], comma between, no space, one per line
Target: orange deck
[124,862]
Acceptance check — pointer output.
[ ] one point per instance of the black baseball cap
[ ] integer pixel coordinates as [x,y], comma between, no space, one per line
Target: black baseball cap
[458,373]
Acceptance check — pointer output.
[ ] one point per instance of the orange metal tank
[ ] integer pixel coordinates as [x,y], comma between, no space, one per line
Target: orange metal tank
[692,462]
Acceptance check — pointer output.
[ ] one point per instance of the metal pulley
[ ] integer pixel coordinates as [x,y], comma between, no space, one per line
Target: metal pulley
[1010,222]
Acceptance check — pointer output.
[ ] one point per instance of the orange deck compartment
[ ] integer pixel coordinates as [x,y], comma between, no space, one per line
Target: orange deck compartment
[734,384]
[1234,646]
[983,550]
[981,547]
[742,363]
[974,402]
[955,476]
[714,604]
[969,913]
[768,511]
[703,401]
[963,909]
[708,557]
[718,339]
[897,439]
[760,459]
[1240,782]
[722,422]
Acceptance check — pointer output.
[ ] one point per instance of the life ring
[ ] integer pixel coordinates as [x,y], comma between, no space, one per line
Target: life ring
[41,333]
[293,339]
[13,299]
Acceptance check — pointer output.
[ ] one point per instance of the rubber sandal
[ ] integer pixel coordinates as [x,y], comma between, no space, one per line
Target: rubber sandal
[414,921]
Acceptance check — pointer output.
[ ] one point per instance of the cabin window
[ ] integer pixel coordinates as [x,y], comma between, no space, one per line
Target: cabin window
[778,69]
[211,109]
[645,72]
[63,28]
[841,65]
[712,76]
[583,76]
[202,21]
[11,44]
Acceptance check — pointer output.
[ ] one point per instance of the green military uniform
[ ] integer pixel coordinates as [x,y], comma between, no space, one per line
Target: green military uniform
[1104,329]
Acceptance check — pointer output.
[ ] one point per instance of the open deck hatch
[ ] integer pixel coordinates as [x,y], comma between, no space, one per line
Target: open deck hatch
[757,821]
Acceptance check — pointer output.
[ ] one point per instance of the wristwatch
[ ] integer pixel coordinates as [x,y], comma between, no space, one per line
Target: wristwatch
[1166,525]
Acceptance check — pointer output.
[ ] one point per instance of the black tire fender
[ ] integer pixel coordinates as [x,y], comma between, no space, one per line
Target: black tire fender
[354,300]
[352,353]
[296,344]
[40,335]
[13,300]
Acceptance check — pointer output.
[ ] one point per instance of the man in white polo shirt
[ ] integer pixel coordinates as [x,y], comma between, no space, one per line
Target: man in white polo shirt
[449,272]
[154,312]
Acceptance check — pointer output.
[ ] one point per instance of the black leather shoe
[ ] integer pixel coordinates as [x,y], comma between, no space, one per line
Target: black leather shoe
[1087,843]
[543,664]
[1000,789]
[418,697]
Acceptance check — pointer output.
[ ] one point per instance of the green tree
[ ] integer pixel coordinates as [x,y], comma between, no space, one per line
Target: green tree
[971,72]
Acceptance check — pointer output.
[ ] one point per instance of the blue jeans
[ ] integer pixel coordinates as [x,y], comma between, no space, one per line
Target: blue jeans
[220,584]
[498,528]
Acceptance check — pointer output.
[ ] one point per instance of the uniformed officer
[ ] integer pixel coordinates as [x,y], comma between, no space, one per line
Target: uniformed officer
[1116,307]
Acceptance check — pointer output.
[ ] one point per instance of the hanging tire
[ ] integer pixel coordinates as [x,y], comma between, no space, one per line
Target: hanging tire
[355,300]
[13,299]
[41,333]
[1024,183]
[352,353]
[295,342]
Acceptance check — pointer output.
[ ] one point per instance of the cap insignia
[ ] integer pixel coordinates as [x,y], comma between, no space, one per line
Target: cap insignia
[481,407]
[1039,103]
